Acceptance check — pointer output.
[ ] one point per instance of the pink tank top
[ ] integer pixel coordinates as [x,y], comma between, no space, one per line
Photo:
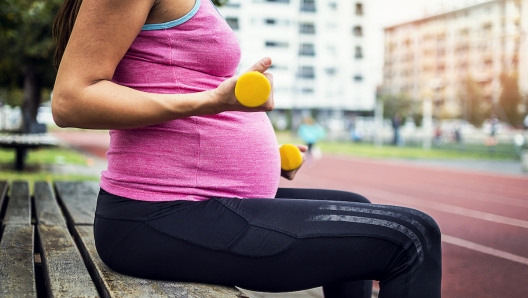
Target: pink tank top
[232,154]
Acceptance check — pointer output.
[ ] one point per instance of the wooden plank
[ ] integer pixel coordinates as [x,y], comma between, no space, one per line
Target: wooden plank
[65,272]
[3,192]
[119,285]
[17,277]
[47,209]
[18,209]
[34,139]
[79,198]
[64,269]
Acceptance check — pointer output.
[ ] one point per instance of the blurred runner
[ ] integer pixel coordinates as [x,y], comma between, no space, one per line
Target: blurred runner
[311,133]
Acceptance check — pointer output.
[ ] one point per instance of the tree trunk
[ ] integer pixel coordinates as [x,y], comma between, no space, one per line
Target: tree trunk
[32,93]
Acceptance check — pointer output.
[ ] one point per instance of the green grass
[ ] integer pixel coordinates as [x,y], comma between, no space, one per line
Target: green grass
[446,152]
[37,159]
[45,156]
[56,156]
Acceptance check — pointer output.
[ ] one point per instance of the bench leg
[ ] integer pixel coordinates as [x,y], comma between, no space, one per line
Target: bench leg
[20,158]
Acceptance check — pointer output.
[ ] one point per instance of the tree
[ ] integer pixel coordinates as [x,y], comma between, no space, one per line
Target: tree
[27,47]
[393,104]
[510,109]
[27,50]
[476,107]
[220,2]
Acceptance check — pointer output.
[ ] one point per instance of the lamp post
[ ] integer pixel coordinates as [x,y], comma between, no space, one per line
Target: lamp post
[378,119]
[427,123]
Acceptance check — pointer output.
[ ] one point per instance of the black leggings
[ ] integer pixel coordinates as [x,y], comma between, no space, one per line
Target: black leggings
[304,238]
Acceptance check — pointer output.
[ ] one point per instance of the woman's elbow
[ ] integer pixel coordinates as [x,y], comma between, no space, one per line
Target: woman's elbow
[62,113]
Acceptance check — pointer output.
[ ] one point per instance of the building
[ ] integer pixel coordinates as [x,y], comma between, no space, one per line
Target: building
[319,51]
[435,55]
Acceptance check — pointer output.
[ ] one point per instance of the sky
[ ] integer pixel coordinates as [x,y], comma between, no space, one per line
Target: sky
[390,12]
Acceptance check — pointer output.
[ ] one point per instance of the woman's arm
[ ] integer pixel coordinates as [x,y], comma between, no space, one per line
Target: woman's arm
[85,97]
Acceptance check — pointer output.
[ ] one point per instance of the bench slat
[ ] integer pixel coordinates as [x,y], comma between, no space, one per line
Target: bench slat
[65,272]
[48,211]
[119,285]
[3,193]
[18,209]
[79,198]
[17,277]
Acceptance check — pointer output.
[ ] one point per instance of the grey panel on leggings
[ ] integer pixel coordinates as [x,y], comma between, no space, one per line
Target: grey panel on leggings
[403,217]
[377,222]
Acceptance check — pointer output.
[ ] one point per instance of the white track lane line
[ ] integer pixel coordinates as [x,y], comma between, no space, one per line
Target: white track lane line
[389,196]
[484,249]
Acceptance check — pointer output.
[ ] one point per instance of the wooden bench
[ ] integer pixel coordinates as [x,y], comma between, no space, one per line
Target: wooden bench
[22,142]
[47,248]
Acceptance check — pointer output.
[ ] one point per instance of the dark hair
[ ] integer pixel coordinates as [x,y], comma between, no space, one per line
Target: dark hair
[219,2]
[64,21]
[63,26]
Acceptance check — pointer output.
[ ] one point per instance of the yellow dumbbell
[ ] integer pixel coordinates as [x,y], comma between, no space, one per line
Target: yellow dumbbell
[291,157]
[252,89]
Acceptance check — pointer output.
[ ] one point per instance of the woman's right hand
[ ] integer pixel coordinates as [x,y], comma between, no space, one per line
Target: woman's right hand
[224,94]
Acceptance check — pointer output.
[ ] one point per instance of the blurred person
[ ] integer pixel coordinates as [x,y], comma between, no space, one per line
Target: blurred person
[494,126]
[396,124]
[457,136]
[356,133]
[191,190]
[438,135]
[311,132]
[491,140]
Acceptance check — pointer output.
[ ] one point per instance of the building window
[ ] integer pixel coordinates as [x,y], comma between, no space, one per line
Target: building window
[331,71]
[307,49]
[358,78]
[276,44]
[358,31]
[307,28]
[332,5]
[233,23]
[270,21]
[308,5]
[358,52]
[307,72]
[359,9]
[331,50]
[464,32]
[278,67]
[279,1]
[307,91]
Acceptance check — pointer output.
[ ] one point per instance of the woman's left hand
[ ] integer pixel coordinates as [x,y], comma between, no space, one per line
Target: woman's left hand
[291,174]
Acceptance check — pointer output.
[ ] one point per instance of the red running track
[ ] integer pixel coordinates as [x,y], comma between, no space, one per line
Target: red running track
[483,216]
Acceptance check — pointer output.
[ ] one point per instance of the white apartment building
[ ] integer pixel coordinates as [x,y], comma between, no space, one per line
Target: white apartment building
[443,50]
[318,47]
